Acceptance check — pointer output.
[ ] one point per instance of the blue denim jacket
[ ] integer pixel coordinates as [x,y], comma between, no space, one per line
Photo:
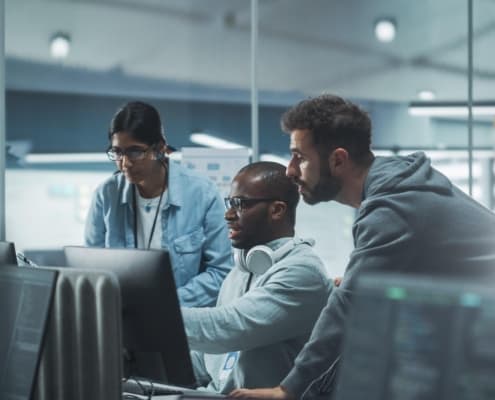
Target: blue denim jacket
[193,230]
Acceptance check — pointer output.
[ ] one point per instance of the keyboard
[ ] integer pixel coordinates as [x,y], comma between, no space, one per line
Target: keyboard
[145,387]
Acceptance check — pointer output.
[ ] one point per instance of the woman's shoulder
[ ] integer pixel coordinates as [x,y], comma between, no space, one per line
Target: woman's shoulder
[192,180]
[113,183]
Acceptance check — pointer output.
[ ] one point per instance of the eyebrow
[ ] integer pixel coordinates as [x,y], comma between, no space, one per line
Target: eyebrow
[134,146]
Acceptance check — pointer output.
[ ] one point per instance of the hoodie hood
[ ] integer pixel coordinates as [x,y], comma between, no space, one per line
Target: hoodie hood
[404,173]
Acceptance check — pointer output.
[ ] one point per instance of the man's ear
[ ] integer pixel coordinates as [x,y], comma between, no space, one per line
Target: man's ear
[278,209]
[338,161]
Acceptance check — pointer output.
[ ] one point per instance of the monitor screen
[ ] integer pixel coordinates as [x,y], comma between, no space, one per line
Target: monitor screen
[412,337]
[7,253]
[25,301]
[155,344]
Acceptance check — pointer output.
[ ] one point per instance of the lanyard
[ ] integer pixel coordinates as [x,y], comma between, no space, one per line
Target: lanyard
[134,205]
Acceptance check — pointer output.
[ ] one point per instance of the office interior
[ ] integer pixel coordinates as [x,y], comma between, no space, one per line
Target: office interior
[221,73]
[194,61]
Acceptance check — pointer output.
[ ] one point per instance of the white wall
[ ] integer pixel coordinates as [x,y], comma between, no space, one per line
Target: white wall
[46,209]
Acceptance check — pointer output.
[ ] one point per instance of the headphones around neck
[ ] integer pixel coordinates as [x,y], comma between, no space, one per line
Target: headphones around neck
[260,258]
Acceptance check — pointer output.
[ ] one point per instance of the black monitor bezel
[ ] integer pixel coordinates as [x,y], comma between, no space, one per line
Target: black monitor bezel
[154,347]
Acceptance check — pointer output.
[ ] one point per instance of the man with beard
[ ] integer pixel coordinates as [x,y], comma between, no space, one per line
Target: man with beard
[410,218]
[269,302]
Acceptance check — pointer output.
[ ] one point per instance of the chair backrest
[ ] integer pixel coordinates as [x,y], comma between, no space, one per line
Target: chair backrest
[7,253]
[82,357]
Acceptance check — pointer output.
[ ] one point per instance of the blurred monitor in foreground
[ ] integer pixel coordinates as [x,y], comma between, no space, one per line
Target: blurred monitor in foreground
[419,338]
[25,300]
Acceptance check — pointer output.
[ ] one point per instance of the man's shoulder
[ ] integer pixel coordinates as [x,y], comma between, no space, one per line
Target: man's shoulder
[302,260]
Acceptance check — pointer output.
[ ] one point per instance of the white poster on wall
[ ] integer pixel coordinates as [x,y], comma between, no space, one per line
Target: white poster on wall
[220,165]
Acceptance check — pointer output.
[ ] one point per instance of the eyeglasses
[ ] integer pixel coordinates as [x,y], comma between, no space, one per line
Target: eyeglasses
[132,153]
[240,203]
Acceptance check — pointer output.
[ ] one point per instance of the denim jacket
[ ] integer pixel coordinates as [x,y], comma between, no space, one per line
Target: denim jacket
[193,230]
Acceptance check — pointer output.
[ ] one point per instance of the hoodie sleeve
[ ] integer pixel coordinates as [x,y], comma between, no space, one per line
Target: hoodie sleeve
[382,242]
[263,315]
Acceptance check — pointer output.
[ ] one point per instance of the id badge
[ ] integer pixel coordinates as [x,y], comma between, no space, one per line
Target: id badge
[228,365]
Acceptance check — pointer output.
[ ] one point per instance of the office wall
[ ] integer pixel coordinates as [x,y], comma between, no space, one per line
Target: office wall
[66,123]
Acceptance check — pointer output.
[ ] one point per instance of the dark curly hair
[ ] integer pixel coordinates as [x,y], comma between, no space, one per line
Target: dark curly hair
[333,122]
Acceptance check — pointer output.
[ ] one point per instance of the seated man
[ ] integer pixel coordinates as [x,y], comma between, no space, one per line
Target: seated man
[269,302]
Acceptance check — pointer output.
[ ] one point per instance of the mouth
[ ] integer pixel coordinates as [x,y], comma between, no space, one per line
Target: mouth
[300,188]
[234,232]
[129,174]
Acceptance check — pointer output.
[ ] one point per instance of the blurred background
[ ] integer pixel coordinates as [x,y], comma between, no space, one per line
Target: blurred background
[69,64]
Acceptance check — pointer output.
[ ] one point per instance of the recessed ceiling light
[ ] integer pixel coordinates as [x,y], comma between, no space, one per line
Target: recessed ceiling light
[385,29]
[426,95]
[205,139]
[450,109]
[60,45]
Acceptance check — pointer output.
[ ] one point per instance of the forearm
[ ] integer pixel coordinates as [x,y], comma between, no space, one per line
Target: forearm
[258,318]
[323,347]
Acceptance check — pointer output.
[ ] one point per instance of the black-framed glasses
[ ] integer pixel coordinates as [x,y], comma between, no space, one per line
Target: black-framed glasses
[132,153]
[241,203]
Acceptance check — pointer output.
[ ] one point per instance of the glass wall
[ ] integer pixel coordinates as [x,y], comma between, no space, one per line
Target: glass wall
[191,59]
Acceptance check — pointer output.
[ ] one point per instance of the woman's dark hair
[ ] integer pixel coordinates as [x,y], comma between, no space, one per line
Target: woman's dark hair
[140,120]
[333,122]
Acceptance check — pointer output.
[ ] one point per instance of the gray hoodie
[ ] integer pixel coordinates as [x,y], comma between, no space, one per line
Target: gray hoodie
[411,219]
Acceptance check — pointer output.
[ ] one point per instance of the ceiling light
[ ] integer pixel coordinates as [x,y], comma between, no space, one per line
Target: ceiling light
[60,45]
[212,141]
[385,29]
[450,109]
[426,95]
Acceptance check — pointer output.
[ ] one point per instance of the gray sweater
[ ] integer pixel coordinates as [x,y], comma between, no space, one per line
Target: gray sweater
[412,219]
[264,328]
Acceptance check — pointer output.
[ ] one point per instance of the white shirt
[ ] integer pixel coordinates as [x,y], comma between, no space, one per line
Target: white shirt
[146,211]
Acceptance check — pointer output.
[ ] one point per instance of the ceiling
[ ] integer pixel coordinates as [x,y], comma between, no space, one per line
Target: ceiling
[310,46]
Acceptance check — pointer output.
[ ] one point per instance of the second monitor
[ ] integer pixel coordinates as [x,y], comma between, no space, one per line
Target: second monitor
[155,345]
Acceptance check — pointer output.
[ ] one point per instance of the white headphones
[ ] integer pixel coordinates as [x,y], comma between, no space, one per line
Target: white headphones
[259,258]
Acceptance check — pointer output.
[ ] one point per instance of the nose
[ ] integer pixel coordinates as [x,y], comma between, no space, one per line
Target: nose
[230,214]
[126,161]
[292,170]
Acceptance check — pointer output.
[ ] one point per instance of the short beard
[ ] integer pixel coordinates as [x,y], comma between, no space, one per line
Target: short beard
[327,188]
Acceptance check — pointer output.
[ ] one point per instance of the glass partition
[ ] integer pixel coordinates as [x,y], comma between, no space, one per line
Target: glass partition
[403,61]
[384,55]
[71,64]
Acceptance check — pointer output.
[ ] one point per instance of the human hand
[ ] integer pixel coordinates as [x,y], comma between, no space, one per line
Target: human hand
[337,281]
[276,393]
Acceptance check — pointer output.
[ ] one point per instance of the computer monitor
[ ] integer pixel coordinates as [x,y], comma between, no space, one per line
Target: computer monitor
[25,301]
[155,344]
[411,337]
[7,253]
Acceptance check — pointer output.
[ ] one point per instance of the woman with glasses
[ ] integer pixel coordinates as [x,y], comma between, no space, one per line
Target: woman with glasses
[154,203]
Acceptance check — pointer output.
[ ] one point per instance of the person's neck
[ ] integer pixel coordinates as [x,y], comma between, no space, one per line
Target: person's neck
[351,193]
[154,185]
[282,233]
